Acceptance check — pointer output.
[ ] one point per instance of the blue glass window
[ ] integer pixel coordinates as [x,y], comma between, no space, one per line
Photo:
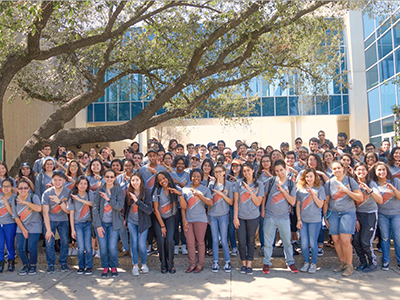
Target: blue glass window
[124,113]
[388,95]
[396,34]
[384,27]
[387,124]
[369,25]
[257,109]
[136,107]
[345,104]
[374,111]
[90,113]
[375,128]
[370,56]
[335,104]
[376,141]
[125,89]
[385,44]
[293,106]
[369,41]
[101,99]
[386,68]
[397,61]
[281,106]
[372,77]
[112,114]
[112,93]
[99,112]
[266,89]
[322,106]
[268,106]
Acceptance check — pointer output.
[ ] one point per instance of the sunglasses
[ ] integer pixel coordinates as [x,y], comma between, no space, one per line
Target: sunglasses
[23,188]
[251,155]
[6,186]
[298,142]
[109,177]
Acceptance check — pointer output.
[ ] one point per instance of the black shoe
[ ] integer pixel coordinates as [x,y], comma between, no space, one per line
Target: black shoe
[114,272]
[88,271]
[370,268]
[80,271]
[172,270]
[164,270]
[51,270]
[1,266]
[361,267]
[32,270]
[64,268]
[105,273]
[11,266]
[24,270]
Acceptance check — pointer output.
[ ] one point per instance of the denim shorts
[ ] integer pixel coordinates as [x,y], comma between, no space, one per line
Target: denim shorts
[342,222]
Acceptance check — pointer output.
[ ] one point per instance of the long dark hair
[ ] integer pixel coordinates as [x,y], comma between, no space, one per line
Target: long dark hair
[363,164]
[390,156]
[79,172]
[5,166]
[89,169]
[324,164]
[251,166]
[128,199]
[75,190]
[261,168]
[240,172]
[223,168]
[207,160]
[372,172]
[319,167]
[31,176]
[173,198]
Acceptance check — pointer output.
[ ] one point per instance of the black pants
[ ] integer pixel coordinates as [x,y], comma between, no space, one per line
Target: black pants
[247,235]
[179,235]
[208,238]
[363,238]
[166,244]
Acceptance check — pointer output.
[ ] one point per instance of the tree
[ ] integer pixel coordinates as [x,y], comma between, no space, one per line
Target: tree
[187,53]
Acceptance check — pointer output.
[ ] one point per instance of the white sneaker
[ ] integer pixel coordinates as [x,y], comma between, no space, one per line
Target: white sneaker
[135,271]
[74,252]
[234,252]
[93,252]
[97,255]
[145,269]
[184,249]
[312,269]
[176,250]
[305,267]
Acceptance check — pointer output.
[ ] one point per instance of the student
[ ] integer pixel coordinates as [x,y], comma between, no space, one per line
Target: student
[367,219]
[222,195]
[394,162]
[328,157]
[310,197]
[207,168]
[180,177]
[117,166]
[194,162]
[341,192]
[73,172]
[149,171]
[371,158]
[246,215]
[279,197]
[45,152]
[55,216]
[8,227]
[26,212]
[107,221]
[165,202]
[79,206]
[138,207]
[137,159]
[26,173]
[389,211]
[300,164]
[348,164]
[4,174]
[92,153]
[44,179]
[95,174]
[194,220]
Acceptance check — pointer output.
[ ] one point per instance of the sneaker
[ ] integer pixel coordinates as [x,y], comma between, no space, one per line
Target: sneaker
[243,270]
[88,271]
[385,266]
[123,253]
[312,269]
[93,252]
[305,267]
[379,250]
[150,249]
[105,273]
[266,269]
[97,254]
[135,271]
[370,268]
[340,268]
[64,268]
[80,271]
[215,267]
[348,270]
[114,272]
[249,271]
[69,251]
[24,271]
[74,252]
[361,267]
[293,269]
[320,252]
[234,252]
[51,270]
[261,253]
[145,269]
[32,270]
[227,267]
[184,249]
[176,250]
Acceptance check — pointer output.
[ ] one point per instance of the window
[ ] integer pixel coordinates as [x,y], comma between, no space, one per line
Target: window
[90,113]
[268,106]
[322,106]
[335,104]
[385,44]
[387,124]
[112,114]
[345,104]
[281,106]
[370,56]
[257,109]
[293,106]
[99,112]
[376,141]
[369,24]
[386,68]
[372,77]
[124,112]
[388,95]
[397,60]
[374,111]
[136,108]
[375,128]
[396,35]
[369,41]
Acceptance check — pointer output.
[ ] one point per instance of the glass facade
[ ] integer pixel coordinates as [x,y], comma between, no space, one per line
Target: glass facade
[382,61]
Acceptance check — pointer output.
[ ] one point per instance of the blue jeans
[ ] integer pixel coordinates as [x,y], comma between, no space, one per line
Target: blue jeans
[389,226]
[7,237]
[219,228]
[123,235]
[231,229]
[309,233]
[84,241]
[270,226]
[63,231]
[342,222]
[108,246]
[32,240]
[138,244]
[261,230]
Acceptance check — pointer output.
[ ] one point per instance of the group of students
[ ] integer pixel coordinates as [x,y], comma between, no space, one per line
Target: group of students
[211,195]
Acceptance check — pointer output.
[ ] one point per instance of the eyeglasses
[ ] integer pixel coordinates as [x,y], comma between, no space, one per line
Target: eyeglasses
[298,142]
[251,155]
[6,186]
[217,172]
[23,188]
[109,177]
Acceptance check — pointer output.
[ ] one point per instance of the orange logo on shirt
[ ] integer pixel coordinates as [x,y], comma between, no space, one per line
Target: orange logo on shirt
[107,208]
[167,208]
[150,183]
[84,211]
[3,211]
[192,201]
[25,213]
[307,202]
[277,198]
[386,196]
[339,194]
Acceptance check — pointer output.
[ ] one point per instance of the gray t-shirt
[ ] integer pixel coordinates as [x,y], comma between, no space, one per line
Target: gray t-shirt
[107,210]
[32,220]
[82,212]
[5,217]
[133,215]
[369,204]
[166,207]
[220,206]
[297,166]
[56,213]
[276,204]
[148,177]
[196,211]
[181,177]
[340,201]
[309,211]
[247,209]
[390,205]
[93,182]
[395,171]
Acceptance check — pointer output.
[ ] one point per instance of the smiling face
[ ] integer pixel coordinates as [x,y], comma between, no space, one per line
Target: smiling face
[280,171]
[219,173]
[2,170]
[396,155]
[73,167]
[82,185]
[381,172]
[152,158]
[266,163]
[370,158]
[116,166]
[23,189]
[328,157]
[128,167]
[337,169]
[162,180]
[180,166]
[95,167]
[58,182]
[312,162]
[206,168]
[167,160]
[109,178]
[361,172]
[289,160]
[310,178]
[194,161]
[26,171]
[196,178]
[346,161]
[248,172]
[135,182]
[49,165]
